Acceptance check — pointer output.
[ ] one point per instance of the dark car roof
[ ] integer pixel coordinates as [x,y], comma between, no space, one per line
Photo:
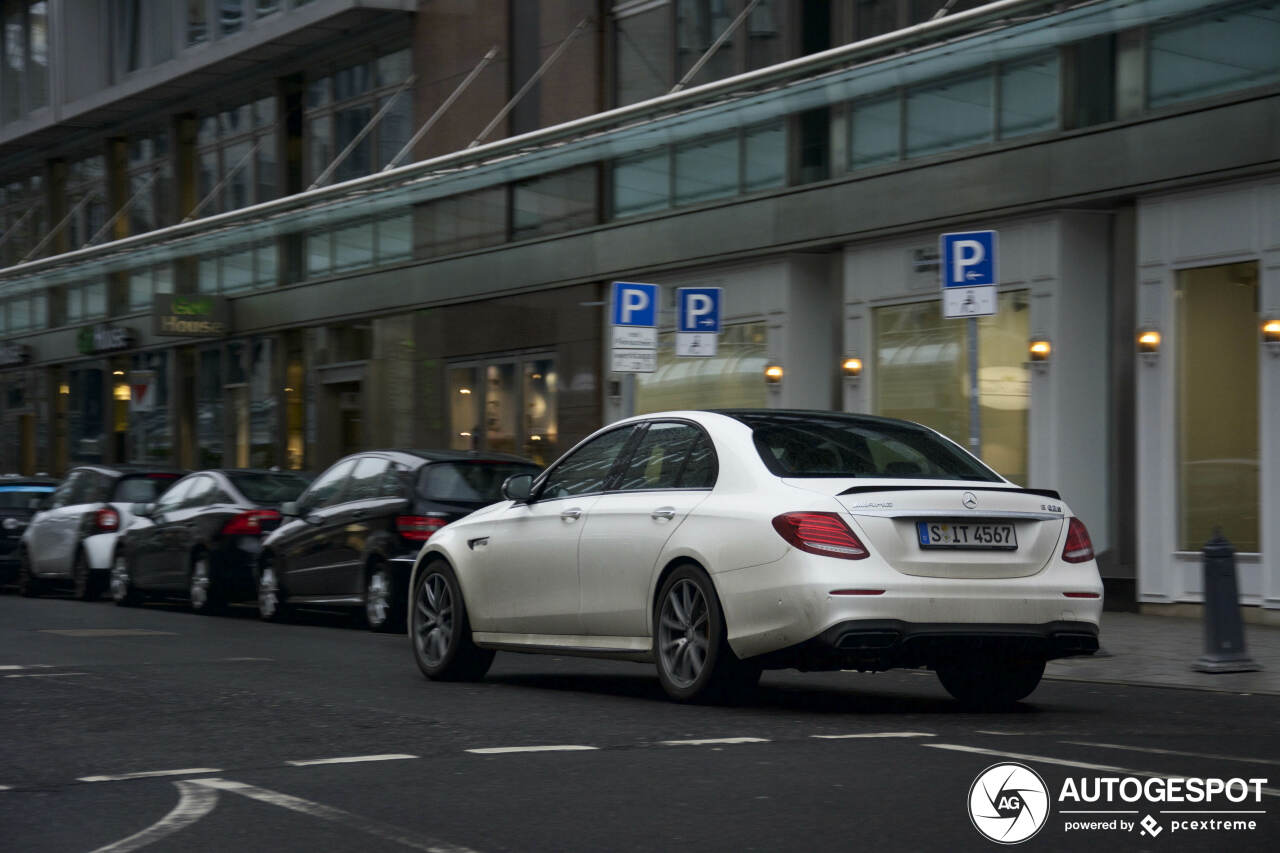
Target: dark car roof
[415,457]
[28,481]
[130,468]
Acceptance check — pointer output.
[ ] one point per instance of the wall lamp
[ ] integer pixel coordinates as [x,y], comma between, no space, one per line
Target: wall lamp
[851,367]
[1271,336]
[1148,345]
[773,375]
[1039,351]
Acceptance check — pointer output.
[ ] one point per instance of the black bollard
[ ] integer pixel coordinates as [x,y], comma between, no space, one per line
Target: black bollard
[1224,649]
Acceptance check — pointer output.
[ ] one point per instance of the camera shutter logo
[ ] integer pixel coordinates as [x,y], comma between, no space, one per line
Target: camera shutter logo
[1008,803]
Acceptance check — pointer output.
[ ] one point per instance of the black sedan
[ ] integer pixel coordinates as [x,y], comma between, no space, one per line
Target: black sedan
[352,538]
[20,499]
[201,537]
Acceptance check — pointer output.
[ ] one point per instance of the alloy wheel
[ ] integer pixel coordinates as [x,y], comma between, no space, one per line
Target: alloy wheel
[268,593]
[684,633]
[199,590]
[434,623]
[377,599]
[120,578]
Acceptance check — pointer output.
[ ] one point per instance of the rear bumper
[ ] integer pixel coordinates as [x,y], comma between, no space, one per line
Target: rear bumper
[878,644]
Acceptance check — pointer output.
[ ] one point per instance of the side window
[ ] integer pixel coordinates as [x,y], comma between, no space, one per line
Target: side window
[88,488]
[200,493]
[701,468]
[62,496]
[585,470]
[327,489]
[366,479]
[393,483]
[659,458]
[172,499]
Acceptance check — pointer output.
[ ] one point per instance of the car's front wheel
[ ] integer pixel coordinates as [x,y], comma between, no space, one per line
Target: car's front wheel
[694,660]
[989,683]
[440,631]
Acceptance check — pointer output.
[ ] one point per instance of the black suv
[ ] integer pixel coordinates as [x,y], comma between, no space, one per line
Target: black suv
[20,499]
[352,537]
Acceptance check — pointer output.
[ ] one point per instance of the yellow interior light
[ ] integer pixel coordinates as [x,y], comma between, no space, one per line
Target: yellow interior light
[1040,350]
[1271,332]
[121,392]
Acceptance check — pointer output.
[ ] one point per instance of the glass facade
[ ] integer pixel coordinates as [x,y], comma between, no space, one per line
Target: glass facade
[340,105]
[730,379]
[1218,440]
[505,404]
[1213,53]
[922,374]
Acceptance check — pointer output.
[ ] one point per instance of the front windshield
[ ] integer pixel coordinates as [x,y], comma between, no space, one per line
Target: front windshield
[268,487]
[817,446]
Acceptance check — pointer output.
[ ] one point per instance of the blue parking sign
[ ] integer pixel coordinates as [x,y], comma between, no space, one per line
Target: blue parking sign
[968,259]
[635,304]
[698,309]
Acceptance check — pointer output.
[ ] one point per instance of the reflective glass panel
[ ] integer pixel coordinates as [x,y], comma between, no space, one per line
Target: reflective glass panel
[951,114]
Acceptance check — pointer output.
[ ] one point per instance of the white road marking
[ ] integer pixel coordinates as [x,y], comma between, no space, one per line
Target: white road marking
[149,774]
[107,632]
[874,735]
[228,660]
[714,740]
[194,802]
[1066,762]
[5,788]
[498,750]
[44,674]
[1154,751]
[351,759]
[334,815]
[11,666]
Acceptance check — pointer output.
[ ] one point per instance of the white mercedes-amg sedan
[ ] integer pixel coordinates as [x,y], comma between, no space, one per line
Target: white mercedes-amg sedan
[719,544]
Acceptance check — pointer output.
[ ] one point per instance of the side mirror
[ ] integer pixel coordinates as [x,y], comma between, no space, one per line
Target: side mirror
[518,487]
[289,509]
[143,510]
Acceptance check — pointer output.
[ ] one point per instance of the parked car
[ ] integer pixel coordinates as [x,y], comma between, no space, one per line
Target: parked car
[74,537]
[351,539]
[201,537]
[718,544]
[20,499]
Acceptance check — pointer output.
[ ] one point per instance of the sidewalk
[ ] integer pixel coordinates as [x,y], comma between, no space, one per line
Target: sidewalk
[1159,651]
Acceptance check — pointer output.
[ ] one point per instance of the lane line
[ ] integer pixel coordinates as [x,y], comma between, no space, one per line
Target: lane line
[194,802]
[334,815]
[351,759]
[9,666]
[5,788]
[44,674]
[874,735]
[1066,762]
[150,774]
[1155,751]
[713,741]
[498,750]
[228,660]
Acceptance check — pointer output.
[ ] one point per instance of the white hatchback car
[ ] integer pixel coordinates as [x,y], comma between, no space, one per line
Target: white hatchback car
[718,544]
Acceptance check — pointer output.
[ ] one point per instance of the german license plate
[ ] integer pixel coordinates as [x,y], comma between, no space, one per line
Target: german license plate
[986,535]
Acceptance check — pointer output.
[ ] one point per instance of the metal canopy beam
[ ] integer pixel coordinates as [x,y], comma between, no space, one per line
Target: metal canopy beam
[364,131]
[715,45]
[61,224]
[217,188]
[440,110]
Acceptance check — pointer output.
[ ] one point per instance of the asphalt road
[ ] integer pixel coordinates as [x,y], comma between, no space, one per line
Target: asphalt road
[816,761]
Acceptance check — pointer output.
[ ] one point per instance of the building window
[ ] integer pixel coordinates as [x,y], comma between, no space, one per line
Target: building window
[1029,95]
[359,245]
[145,283]
[86,301]
[955,113]
[553,203]
[698,24]
[197,22]
[642,183]
[24,213]
[505,405]
[1214,53]
[86,414]
[1218,406]
[86,200]
[151,190]
[642,47]
[238,148]
[230,16]
[24,58]
[249,268]
[25,313]
[706,169]
[210,428]
[922,368]
[733,378]
[340,105]
[461,223]
[875,131]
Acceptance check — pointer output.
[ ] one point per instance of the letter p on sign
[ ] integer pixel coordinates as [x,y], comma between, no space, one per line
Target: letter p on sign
[968,259]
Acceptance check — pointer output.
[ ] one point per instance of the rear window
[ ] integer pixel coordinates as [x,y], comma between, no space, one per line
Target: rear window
[141,488]
[837,447]
[19,497]
[268,487]
[468,482]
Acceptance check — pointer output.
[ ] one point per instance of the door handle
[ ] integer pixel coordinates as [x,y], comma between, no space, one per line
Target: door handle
[666,512]
[572,514]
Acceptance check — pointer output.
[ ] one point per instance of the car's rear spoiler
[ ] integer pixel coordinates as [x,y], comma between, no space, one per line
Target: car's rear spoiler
[858,490]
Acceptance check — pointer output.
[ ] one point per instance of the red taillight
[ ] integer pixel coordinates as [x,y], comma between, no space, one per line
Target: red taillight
[107,520]
[249,523]
[856,592]
[1082,595]
[823,533]
[1078,548]
[418,528]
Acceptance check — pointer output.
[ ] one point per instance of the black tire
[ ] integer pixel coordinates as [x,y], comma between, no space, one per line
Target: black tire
[29,586]
[384,603]
[989,683]
[203,590]
[272,604]
[85,586]
[690,649]
[123,592]
[440,631]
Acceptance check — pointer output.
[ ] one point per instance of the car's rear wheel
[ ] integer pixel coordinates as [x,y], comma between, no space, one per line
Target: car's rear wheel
[440,630]
[85,584]
[203,593]
[693,656]
[989,683]
[123,592]
[383,604]
[29,586]
[271,603]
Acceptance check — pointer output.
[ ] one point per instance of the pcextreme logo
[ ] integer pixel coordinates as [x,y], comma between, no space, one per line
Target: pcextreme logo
[1008,803]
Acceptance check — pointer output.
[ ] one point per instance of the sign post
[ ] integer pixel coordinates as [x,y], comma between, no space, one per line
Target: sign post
[697,321]
[969,279]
